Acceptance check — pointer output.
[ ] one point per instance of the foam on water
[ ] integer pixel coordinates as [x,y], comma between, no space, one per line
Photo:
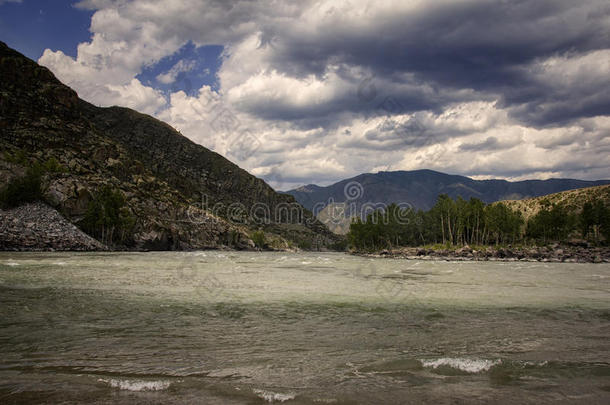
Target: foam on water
[137,385]
[12,264]
[270,396]
[463,364]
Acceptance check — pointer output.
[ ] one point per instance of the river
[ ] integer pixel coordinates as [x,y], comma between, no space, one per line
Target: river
[219,327]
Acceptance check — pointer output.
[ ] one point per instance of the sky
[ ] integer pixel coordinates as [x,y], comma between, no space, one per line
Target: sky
[301,92]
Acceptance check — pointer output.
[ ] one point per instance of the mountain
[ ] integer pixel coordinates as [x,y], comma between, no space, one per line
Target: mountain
[418,189]
[180,194]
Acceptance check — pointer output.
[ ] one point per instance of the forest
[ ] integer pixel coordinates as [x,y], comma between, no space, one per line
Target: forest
[459,222]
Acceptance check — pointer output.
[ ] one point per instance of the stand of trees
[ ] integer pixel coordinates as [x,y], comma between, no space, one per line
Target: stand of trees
[472,222]
[452,222]
[557,223]
[595,221]
[107,217]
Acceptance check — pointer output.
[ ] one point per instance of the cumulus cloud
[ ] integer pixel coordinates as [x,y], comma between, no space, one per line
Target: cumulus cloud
[315,91]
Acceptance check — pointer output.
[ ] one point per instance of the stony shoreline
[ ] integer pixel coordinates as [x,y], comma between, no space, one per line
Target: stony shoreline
[554,254]
[38,227]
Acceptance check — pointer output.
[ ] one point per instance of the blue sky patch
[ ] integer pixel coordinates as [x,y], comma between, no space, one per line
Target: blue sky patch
[32,26]
[188,70]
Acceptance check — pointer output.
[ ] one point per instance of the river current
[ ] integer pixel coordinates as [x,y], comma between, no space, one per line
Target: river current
[220,327]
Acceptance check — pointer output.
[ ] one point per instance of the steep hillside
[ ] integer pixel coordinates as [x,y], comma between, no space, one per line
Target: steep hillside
[181,194]
[573,200]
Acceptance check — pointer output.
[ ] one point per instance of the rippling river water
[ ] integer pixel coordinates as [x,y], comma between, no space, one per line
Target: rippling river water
[303,328]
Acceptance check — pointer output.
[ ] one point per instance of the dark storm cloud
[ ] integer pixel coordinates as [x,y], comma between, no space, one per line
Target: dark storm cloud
[559,104]
[487,46]
[391,135]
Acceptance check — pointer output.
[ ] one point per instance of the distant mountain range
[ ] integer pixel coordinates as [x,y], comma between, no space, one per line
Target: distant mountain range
[420,189]
[182,195]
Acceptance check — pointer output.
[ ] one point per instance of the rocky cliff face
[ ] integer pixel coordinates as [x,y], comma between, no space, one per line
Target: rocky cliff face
[182,195]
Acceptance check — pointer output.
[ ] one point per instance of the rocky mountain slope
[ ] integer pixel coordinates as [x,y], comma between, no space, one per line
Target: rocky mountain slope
[182,195]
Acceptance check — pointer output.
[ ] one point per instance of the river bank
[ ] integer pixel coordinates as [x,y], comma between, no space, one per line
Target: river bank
[555,253]
[38,227]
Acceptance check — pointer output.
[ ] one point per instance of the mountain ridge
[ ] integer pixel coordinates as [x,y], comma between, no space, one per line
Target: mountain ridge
[420,188]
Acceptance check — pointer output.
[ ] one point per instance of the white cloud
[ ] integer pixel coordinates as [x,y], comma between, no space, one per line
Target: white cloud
[291,106]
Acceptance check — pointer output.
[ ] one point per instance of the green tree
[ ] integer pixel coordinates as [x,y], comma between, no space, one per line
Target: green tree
[586,219]
[594,220]
[449,222]
[107,217]
[554,223]
[503,224]
[604,222]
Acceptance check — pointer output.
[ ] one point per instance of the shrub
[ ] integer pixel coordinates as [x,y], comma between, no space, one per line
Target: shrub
[22,190]
[52,166]
[27,189]
[18,157]
[258,238]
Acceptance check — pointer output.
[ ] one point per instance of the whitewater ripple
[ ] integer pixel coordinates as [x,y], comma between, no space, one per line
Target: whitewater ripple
[463,364]
[137,385]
